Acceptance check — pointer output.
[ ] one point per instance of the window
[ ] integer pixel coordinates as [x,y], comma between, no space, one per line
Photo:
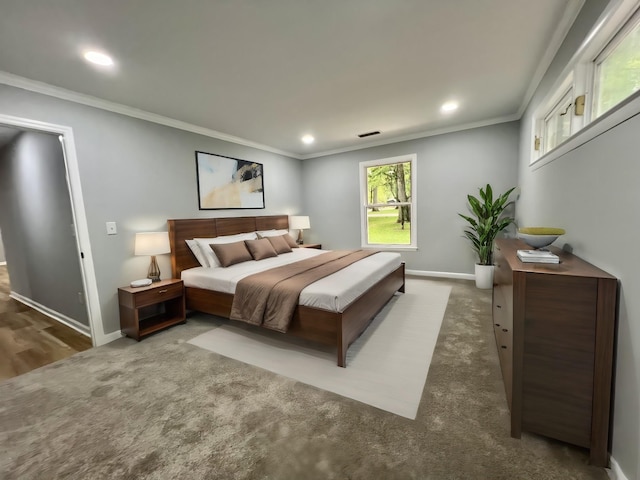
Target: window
[618,68]
[557,125]
[388,214]
[603,73]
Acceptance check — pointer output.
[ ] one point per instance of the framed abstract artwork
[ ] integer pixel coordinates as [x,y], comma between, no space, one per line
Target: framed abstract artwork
[228,183]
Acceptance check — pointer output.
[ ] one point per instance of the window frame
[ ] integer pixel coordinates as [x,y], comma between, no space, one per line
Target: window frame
[580,76]
[555,113]
[629,24]
[365,205]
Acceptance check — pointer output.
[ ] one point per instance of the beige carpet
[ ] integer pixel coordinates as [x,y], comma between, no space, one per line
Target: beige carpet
[386,367]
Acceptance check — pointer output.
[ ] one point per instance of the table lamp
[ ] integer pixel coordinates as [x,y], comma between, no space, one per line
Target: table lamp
[152,243]
[299,223]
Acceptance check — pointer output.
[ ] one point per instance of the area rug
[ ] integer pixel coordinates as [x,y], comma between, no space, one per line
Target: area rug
[386,367]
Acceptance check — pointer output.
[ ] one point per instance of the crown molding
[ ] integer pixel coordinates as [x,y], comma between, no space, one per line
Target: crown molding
[415,136]
[69,95]
[566,22]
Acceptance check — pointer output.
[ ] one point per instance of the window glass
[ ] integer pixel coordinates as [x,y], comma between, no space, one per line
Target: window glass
[557,124]
[618,68]
[389,213]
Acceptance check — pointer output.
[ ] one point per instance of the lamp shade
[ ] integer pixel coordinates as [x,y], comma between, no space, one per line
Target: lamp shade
[152,243]
[299,222]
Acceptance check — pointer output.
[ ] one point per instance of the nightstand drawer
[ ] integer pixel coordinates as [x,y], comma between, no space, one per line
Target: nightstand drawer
[155,295]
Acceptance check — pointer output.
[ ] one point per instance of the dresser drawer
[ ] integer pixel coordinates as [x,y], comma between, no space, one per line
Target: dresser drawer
[502,308]
[502,273]
[155,295]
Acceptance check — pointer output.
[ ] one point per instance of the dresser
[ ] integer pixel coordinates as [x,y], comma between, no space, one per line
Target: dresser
[554,327]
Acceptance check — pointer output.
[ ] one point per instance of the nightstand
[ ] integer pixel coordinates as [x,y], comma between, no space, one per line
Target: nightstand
[311,245]
[146,310]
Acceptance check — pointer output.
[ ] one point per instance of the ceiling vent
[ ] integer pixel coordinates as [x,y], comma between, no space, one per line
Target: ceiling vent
[368,134]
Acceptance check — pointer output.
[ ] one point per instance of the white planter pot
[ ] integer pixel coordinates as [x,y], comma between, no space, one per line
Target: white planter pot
[484,276]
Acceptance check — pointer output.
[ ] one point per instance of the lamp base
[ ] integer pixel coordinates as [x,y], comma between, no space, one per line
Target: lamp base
[300,240]
[154,270]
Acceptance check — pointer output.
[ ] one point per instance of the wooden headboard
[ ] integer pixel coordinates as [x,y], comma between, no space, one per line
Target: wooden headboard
[186,229]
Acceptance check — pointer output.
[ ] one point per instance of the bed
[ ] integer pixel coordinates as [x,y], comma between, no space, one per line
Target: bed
[320,324]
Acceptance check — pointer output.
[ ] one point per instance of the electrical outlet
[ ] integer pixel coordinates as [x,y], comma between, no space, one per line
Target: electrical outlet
[111,228]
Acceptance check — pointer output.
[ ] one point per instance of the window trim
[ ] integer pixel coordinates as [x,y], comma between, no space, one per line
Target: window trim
[364,204]
[579,74]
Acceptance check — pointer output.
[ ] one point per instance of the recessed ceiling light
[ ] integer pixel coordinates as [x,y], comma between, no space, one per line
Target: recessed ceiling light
[98,58]
[308,139]
[449,107]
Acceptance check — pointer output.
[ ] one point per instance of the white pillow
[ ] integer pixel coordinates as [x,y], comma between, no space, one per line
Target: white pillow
[197,252]
[204,243]
[271,233]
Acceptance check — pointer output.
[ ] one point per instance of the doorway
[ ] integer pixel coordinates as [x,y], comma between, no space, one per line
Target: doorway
[58,273]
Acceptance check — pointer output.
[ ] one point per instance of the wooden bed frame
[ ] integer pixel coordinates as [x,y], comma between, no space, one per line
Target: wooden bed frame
[323,326]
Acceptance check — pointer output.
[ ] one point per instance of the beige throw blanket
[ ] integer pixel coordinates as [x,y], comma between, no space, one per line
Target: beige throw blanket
[270,298]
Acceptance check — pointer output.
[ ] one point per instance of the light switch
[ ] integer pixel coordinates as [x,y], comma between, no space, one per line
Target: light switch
[111,228]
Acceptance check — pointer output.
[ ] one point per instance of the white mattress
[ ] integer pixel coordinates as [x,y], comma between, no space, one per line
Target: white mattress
[334,292]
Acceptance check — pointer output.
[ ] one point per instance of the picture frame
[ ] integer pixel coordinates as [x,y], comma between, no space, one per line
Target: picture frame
[228,183]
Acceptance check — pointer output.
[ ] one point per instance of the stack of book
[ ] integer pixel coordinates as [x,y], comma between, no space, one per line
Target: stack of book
[538,256]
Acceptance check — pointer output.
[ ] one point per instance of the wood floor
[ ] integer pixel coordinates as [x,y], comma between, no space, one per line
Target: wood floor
[29,339]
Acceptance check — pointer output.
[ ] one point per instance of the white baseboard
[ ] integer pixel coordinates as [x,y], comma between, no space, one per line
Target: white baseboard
[59,317]
[2,263]
[425,273]
[110,337]
[615,472]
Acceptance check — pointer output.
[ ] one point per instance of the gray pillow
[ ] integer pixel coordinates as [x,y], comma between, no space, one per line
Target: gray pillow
[231,253]
[260,249]
[289,239]
[280,244]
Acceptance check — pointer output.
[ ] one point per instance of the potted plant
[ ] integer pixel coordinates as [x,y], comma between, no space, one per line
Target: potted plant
[484,226]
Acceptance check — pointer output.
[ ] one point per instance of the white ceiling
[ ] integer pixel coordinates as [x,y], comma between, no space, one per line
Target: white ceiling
[270,71]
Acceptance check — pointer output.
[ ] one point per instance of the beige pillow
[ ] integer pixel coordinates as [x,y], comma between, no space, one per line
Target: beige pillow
[278,233]
[231,253]
[289,239]
[212,260]
[260,249]
[280,245]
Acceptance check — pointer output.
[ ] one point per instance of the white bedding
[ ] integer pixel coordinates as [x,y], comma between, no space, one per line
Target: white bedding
[334,292]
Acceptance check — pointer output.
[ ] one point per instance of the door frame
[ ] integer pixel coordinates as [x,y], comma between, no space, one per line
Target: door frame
[72,173]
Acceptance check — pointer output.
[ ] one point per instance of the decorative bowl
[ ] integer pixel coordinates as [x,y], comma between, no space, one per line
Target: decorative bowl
[539,237]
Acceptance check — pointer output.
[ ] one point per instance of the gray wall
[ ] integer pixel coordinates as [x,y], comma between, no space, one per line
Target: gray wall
[592,192]
[2,256]
[139,174]
[449,167]
[36,216]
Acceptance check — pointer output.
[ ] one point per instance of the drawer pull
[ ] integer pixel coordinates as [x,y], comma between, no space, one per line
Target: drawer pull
[503,346]
[160,292]
[505,330]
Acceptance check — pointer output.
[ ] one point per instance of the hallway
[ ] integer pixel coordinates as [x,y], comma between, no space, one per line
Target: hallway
[29,339]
